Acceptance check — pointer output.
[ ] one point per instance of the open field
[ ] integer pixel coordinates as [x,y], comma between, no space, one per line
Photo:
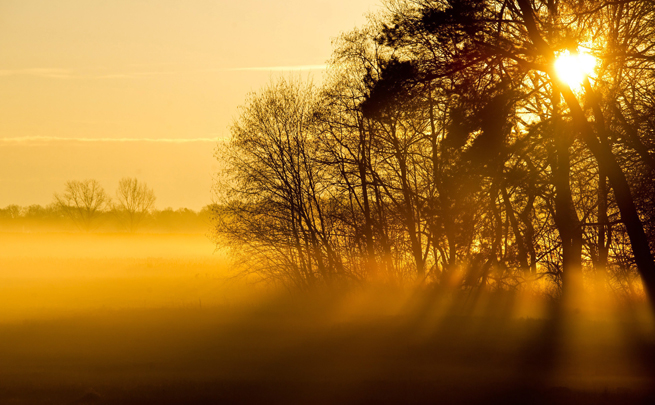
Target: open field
[55,274]
[116,319]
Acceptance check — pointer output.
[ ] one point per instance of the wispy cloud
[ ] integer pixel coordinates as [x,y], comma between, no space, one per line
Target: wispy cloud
[34,139]
[56,73]
[72,74]
[51,73]
[280,68]
[134,75]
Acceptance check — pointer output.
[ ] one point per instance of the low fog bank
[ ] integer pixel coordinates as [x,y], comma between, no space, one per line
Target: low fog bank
[50,218]
[116,318]
[49,275]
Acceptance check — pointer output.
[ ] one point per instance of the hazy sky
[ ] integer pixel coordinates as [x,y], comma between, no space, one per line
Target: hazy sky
[110,88]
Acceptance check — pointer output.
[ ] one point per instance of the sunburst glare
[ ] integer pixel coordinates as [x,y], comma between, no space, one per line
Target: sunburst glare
[573,68]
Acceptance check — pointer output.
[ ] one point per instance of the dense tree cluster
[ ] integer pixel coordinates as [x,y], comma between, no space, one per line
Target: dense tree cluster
[443,147]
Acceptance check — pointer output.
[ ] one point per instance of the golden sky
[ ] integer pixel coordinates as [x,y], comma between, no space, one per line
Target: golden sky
[111,88]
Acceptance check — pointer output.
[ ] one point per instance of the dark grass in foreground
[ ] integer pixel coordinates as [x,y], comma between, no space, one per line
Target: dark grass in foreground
[376,348]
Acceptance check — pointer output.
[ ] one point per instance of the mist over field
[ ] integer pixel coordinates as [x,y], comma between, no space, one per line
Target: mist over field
[56,274]
[157,318]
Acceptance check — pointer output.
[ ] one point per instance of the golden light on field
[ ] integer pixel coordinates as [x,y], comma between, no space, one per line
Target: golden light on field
[573,68]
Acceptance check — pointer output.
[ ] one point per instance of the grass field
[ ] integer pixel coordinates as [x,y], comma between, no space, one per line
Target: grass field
[155,319]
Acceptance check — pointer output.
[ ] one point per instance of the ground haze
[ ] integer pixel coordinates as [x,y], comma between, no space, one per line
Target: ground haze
[155,318]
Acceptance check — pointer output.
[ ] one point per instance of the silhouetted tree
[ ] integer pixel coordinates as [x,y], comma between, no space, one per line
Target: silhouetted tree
[83,202]
[476,47]
[10,212]
[444,147]
[276,206]
[134,201]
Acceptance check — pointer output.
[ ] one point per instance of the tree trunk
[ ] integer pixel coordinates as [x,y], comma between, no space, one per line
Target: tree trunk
[607,161]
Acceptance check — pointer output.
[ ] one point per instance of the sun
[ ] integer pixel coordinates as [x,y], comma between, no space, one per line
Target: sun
[573,68]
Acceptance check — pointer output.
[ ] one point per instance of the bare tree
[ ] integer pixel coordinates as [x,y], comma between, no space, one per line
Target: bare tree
[83,201]
[277,206]
[446,146]
[134,201]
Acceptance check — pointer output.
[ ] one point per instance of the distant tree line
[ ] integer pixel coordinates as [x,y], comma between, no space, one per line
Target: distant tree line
[443,148]
[85,206]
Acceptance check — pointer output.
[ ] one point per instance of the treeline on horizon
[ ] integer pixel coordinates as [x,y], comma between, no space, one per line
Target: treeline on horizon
[84,205]
[442,148]
[51,218]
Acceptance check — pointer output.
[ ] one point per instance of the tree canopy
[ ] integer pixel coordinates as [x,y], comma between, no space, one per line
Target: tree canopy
[463,143]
